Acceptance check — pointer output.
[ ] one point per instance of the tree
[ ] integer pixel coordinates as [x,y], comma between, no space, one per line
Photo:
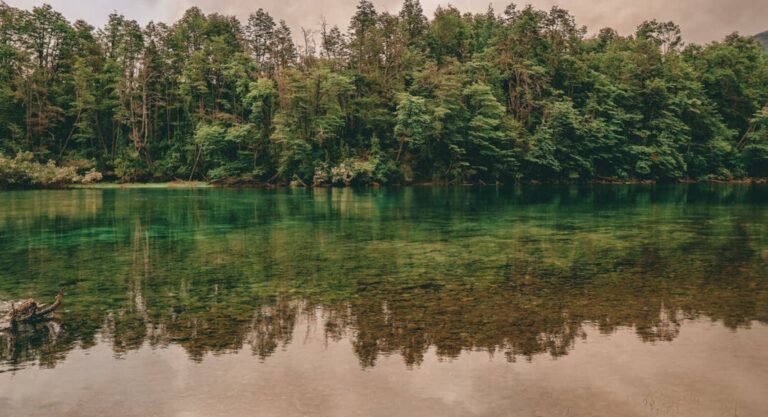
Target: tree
[413,21]
[666,34]
[412,122]
[283,49]
[448,35]
[363,47]
[476,97]
[487,150]
[260,35]
[754,146]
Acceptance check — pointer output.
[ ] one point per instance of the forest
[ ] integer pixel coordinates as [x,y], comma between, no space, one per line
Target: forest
[524,95]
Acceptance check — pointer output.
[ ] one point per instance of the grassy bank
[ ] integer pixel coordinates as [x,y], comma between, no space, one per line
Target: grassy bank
[202,184]
[146,185]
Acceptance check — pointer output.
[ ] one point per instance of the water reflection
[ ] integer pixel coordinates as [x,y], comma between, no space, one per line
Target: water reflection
[516,272]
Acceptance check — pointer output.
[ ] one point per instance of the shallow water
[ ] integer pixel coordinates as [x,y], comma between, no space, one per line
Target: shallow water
[537,301]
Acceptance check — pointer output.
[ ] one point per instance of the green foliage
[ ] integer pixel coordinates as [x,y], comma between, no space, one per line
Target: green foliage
[411,122]
[448,35]
[461,97]
[762,38]
[24,171]
[486,151]
[754,153]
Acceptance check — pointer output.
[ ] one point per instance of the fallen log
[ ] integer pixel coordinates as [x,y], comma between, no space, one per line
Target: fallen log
[29,311]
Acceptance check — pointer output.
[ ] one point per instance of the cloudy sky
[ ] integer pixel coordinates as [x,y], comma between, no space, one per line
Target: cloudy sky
[701,20]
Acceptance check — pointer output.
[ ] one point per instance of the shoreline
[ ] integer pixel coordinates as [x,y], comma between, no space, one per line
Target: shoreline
[207,185]
[140,185]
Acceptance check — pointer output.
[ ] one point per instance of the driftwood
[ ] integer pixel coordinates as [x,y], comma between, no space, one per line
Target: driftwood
[29,311]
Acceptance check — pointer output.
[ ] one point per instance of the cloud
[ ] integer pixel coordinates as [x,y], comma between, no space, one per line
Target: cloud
[701,20]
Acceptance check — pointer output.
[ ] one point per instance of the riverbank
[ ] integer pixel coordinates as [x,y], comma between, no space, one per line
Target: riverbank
[241,185]
[203,184]
[142,185]
[261,185]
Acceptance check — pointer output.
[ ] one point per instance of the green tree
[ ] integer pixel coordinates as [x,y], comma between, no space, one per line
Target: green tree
[412,123]
[525,95]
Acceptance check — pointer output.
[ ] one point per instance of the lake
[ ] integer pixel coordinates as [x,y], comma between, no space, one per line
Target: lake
[533,301]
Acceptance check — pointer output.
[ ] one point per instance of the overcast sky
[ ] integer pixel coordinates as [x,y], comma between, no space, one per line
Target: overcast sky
[701,20]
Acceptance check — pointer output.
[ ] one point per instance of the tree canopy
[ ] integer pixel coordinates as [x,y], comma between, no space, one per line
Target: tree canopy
[523,95]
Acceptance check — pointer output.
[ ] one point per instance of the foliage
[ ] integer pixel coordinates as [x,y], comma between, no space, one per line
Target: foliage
[24,171]
[524,95]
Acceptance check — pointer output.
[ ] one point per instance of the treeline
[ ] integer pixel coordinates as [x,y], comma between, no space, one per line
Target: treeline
[519,96]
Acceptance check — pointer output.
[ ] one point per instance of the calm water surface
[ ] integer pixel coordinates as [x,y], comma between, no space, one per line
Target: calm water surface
[538,301]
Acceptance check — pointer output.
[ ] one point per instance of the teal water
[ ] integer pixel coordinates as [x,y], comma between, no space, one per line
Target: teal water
[515,290]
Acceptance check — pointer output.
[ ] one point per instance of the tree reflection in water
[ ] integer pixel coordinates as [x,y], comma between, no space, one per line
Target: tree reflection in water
[516,272]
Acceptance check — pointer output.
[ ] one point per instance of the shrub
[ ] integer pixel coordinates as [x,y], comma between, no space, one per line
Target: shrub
[92,176]
[130,168]
[23,171]
[755,159]
[352,171]
[322,176]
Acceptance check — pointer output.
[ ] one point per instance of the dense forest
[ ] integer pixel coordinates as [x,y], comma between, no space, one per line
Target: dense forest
[523,95]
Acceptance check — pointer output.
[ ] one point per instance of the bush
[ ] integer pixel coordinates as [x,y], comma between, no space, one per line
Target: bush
[23,171]
[755,159]
[130,168]
[352,171]
[322,175]
[92,176]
